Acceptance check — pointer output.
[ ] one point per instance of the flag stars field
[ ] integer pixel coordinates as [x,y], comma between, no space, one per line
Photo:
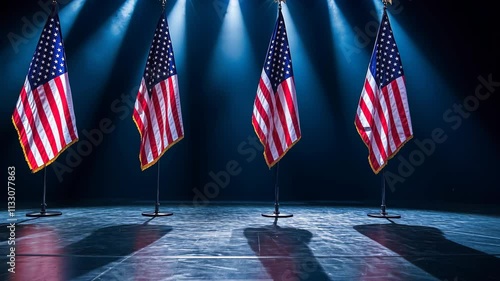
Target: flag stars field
[275,115]
[157,110]
[44,117]
[383,116]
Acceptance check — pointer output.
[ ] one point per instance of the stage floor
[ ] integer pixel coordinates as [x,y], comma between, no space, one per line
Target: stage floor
[232,241]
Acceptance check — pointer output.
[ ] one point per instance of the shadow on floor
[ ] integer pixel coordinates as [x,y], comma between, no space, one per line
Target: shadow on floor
[427,248]
[284,253]
[40,256]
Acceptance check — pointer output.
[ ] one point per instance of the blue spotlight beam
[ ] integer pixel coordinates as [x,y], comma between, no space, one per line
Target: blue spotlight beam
[69,13]
[97,55]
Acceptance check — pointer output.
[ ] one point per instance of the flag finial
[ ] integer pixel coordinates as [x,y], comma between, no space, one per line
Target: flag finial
[386,2]
[279,3]
[163,4]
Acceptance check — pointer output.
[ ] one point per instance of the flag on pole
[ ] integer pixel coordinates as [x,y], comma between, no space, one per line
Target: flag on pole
[157,110]
[383,115]
[275,116]
[44,116]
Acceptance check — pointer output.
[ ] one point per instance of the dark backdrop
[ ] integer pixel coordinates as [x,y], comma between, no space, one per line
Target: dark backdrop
[445,48]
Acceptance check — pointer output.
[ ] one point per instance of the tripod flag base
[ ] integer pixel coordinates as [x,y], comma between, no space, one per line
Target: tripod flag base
[156,214]
[280,215]
[384,216]
[44,214]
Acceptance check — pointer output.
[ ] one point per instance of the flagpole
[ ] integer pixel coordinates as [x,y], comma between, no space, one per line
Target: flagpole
[277,213]
[157,212]
[383,209]
[43,211]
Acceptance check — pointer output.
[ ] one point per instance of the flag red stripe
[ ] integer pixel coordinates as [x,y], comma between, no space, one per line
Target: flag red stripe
[373,160]
[262,114]
[383,125]
[387,117]
[34,132]
[269,155]
[275,114]
[67,115]
[55,112]
[260,107]
[400,106]
[282,118]
[274,126]
[150,133]
[257,128]
[44,117]
[291,109]
[142,152]
[277,142]
[173,106]
[368,116]
[378,141]
[371,96]
[141,101]
[393,132]
[168,129]
[158,113]
[361,130]
[37,97]
[138,121]
[24,141]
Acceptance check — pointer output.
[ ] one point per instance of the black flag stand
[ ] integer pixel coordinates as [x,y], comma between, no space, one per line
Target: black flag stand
[157,213]
[43,212]
[383,212]
[276,213]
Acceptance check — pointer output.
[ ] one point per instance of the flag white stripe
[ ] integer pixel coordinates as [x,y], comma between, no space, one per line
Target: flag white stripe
[27,128]
[155,134]
[147,148]
[397,120]
[293,130]
[170,122]
[38,125]
[67,90]
[385,138]
[280,130]
[50,115]
[138,106]
[404,99]
[175,86]
[162,103]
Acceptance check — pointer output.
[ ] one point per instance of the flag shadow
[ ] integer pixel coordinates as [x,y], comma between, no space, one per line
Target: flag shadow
[284,253]
[110,244]
[427,248]
[41,254]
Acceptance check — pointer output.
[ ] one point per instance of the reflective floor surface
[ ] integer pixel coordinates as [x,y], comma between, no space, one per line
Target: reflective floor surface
[234,242]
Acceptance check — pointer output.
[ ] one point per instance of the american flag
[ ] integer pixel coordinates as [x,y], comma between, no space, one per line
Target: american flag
[157,110]
[275,113]
[44,116]
[383,116]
